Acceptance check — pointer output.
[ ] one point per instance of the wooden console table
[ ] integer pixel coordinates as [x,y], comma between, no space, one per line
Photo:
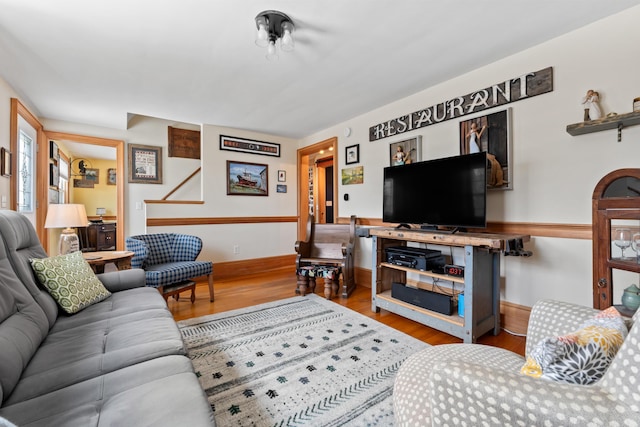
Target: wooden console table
[481,281]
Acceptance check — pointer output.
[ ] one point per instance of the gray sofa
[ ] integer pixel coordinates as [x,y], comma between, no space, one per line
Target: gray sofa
[119,362]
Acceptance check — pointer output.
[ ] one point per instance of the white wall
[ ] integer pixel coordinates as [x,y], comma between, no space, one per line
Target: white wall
[554,172]
[253,240]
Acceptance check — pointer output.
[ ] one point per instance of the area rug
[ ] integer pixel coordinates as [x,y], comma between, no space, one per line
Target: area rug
[297,361]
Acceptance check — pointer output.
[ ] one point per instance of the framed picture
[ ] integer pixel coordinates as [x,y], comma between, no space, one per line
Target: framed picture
[281,188]
[92,175]
[231,143]
[53,175]
[145,164]
[53,196]
[5,162]
[111,176]
[184,143]
[282,176]
[491,133]
[54,154]
[82,183]
[247,179]
[352,154]
[353,175]
[405,151]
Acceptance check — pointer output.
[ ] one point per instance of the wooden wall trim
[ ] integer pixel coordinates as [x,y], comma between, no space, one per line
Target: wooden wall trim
[564,231]
[174,202]
[536,229]
[164,222]
[226,270]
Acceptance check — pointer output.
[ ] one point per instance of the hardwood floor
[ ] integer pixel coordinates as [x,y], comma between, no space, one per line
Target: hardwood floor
[260,288]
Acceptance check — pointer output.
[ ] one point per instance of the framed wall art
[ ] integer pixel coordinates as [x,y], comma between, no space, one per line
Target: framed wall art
[111,176]
[281,188]
[353,175]
[247,179]
[54,153]
[83,183]
[53,175]
[405,151]
[92,175]
[491,133]
[5,162]
[184,143]
[243,145]
[145,164]
[282,176]
[352,154]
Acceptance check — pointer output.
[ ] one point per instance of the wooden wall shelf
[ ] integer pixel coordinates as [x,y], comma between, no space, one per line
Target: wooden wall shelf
[616,122]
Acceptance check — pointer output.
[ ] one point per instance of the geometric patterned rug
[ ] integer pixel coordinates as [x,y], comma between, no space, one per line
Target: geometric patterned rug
[297,361]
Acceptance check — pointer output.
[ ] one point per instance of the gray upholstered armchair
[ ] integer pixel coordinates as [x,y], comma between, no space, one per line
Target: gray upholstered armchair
[472,384]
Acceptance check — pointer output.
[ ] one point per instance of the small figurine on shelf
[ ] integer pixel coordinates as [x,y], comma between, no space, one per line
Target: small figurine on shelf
[591,107]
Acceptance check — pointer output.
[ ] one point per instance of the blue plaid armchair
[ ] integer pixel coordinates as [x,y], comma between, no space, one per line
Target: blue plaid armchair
[169,258]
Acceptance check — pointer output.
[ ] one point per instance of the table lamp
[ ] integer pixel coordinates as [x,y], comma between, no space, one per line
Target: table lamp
[66,216]
[100,212]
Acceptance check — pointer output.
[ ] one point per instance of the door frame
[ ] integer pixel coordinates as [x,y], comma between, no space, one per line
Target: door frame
[118,144]
[303,180]
[41,168]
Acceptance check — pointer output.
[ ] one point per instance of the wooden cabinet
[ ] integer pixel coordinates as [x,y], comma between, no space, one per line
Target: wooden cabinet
[98,237]
[616,205]
[480,284]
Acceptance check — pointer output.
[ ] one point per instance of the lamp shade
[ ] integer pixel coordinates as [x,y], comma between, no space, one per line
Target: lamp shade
[66,215]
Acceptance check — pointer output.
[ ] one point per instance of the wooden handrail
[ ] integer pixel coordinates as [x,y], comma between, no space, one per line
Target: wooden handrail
[182,183]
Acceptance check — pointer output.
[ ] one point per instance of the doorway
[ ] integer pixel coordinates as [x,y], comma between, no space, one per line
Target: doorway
[312,178]
[118,146]
[325,190]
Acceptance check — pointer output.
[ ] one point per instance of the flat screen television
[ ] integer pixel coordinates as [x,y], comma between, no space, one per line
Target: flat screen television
[447,192]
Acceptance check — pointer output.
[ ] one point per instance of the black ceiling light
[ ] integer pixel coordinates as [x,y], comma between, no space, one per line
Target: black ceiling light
[274,29]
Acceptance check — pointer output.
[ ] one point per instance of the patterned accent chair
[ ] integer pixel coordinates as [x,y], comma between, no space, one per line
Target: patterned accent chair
[169,258]
[473,384]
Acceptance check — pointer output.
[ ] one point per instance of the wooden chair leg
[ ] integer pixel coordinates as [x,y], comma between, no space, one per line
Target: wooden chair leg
[302,284]
[210,277]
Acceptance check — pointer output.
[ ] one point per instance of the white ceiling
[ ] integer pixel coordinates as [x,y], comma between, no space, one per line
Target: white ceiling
[195,61]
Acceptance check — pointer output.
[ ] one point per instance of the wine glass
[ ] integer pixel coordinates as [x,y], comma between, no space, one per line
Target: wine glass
[635,245]
[622,239]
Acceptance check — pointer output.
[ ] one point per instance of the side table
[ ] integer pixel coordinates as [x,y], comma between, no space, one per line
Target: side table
[97,260]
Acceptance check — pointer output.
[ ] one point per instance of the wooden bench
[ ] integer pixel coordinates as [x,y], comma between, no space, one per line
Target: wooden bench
[330,244]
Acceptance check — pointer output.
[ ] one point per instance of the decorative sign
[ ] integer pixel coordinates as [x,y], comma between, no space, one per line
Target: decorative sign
[521,87]
[184,143]
[231,143]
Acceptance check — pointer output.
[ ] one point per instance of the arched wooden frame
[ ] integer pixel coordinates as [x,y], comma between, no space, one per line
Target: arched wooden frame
[616,196]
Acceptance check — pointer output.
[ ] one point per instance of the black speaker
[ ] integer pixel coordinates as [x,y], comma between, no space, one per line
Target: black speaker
[433,301]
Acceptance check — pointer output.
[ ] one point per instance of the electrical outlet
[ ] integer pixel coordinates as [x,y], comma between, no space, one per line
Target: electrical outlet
[236,249]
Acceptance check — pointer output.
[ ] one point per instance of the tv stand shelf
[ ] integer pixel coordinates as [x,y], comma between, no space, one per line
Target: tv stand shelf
[481,280]
[424,273]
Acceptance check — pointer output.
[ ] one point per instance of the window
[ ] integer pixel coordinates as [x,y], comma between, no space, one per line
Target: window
[63,180]
[25,174]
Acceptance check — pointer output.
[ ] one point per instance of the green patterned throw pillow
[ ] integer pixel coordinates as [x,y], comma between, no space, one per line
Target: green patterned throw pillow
[70,281]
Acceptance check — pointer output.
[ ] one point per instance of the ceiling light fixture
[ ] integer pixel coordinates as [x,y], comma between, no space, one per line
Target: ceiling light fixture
[274,29]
